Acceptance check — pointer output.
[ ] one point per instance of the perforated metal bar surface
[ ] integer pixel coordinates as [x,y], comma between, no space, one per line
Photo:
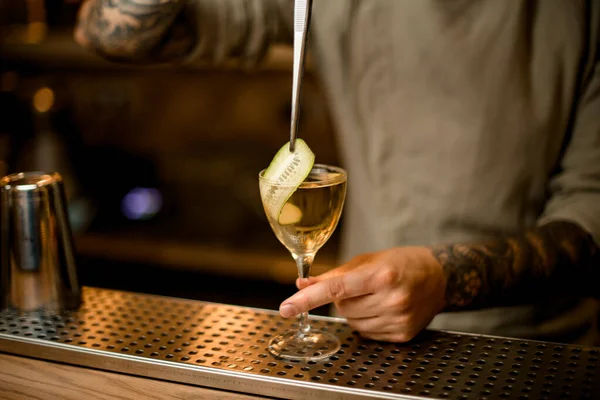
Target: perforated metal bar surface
[223,346]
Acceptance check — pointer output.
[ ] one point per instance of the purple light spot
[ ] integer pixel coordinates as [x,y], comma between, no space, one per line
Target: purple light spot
[141,203]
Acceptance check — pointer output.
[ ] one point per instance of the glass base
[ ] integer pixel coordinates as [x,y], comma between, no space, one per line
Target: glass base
[311,346]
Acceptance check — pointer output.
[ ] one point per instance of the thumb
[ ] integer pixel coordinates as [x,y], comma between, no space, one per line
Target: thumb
[339,287]
[356,262]
[302,283]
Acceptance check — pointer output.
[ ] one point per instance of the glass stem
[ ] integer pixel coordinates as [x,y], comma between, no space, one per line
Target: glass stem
[304,262]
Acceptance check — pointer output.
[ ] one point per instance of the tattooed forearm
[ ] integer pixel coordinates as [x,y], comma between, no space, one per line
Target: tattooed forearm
[557,257]
[131,29]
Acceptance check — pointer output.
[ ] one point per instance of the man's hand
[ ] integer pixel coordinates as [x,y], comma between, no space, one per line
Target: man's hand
[390,295]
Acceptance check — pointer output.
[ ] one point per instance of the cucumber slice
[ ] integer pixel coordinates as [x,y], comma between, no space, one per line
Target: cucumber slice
[287,170]
[290,214]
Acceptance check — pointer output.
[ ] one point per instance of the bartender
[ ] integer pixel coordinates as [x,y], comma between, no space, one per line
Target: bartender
[471,135]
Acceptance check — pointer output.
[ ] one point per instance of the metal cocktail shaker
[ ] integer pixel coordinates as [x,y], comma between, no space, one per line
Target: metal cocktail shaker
[37,257]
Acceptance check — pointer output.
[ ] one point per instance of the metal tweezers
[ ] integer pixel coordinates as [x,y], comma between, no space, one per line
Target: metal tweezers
[302,14]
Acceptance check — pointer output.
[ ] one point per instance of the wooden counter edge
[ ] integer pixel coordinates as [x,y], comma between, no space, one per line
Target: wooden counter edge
[27,378]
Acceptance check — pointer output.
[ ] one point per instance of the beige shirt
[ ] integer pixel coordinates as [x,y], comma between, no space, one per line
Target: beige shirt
[458,121]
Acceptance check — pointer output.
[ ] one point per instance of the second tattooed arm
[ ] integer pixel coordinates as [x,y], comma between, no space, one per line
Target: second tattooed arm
[135,30]
[512,270]
[165,31]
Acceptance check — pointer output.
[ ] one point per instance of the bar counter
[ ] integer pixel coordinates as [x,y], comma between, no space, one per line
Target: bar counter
[26,378]
[116,341]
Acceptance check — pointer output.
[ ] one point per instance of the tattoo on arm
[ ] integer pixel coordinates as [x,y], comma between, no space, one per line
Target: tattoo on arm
[556,257]
[133,29]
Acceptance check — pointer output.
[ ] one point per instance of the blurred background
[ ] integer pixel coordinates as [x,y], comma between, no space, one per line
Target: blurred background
[160,163]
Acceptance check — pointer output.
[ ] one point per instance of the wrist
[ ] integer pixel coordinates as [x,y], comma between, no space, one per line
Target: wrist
[436,274]
[464,272]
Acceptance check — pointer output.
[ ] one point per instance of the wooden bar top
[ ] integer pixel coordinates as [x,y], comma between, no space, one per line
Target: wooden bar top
[25,378]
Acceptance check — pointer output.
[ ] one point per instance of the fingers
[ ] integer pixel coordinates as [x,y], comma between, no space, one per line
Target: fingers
[352,284]
[383,337]
[385,328]
[374,325]
[379,328]
[359,307]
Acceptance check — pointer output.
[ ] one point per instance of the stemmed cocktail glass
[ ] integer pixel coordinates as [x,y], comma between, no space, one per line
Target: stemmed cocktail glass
[304,224]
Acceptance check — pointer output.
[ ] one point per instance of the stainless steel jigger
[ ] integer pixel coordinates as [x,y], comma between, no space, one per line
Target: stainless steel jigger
[38,268]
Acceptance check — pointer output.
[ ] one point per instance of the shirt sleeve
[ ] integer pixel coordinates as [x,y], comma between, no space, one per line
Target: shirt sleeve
[575,190]
[240,29]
